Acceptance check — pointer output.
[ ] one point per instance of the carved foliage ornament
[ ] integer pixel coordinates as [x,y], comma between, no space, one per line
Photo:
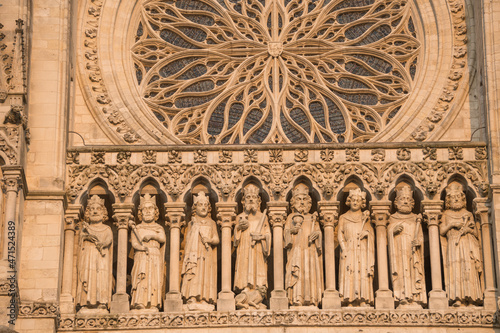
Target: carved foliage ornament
[248,71]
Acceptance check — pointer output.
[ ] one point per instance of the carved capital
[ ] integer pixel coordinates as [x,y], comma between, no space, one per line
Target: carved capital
[433,210]
[122,215]
[226,213]
[380,212]
[11,183]
[329,213]
[277,213]
[481,210]
[72,216]
[175,214]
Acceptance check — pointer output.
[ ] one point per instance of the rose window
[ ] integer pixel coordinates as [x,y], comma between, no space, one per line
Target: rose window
[264,71]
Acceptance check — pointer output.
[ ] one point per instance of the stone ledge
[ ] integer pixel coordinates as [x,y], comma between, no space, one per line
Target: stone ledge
[475,317]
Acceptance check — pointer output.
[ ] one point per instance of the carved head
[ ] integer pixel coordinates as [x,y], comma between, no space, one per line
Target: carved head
[301,200]
[356,200]
[148,211]
[201,205]
[455,197]
[404,200]
[251,199]
[96,212]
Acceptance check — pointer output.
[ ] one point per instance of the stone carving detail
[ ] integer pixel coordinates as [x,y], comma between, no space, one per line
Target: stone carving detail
[200,156]
[327,155]
[301,155]
[123,157]
[250,156]
[98,157]
[92,73]
[276,156]
[303,241]
[252,240]
[406,252]
[430,153]
[455,153]
[94,268]
[199,268]
[225,156]
[481,153]
[38,309]
[352,155]
[174,156]
[149,157]
[373,76]
[378,155]
[463,265]
[148,273]
[357,252]
[458,71]
[403,154]
[444,318]
[72,157]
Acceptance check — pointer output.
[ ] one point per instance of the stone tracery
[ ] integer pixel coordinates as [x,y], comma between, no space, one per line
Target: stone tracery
[273,71]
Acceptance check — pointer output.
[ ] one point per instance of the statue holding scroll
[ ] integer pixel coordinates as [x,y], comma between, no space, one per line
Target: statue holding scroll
[148,273]
[199,268]
[357,253]
[252,240]
[303,241]
[463,266]
[94,267]
[406,252]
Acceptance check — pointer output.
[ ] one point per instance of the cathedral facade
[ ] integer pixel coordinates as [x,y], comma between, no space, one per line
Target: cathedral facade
[249,165]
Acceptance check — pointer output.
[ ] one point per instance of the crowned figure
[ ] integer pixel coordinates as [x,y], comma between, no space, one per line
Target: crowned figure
[303,241]
[357,253]
[148,242]
[406,252]
[463,266]
[199,267]
[252,240]
[94,266]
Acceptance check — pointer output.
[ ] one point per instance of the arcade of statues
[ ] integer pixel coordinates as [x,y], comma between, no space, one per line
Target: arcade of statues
[252,165]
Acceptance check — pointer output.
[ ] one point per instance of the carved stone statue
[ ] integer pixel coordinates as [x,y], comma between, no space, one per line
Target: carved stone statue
[406,252]
[94,270]
[199,268]
[463,265]
[148,273]
[252,239]
[357,253]
[303,241]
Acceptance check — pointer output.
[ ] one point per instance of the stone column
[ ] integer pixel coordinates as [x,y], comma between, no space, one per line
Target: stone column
[482,213]
[277,218]
[12,183]
[122,215]
[226,215]
[329,212]
[383,297]
[71,218]
[175,216]
[433,211]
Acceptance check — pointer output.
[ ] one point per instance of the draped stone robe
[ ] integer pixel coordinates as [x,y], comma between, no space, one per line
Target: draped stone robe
[148,272]
[406,261]
[463,265]
[356,267]
[304,268]
[199,267]
[251,259]
[94,271]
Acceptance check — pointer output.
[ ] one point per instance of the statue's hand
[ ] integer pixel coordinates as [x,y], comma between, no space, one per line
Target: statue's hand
[243,225]
[91,238]
[257,237]
[144,249]
[131,224]
[398,229]
[415,243]
[457,225]
[294,230]
[363,234]
[313,236]
[147,238]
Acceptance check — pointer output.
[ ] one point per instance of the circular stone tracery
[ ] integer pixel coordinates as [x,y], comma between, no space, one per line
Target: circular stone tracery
[253,71]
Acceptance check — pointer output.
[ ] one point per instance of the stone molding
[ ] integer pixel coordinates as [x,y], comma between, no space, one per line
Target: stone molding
[266,318]
[38,309]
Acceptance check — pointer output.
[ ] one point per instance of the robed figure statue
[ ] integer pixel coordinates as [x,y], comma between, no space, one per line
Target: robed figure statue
[252,240]
[463,265]
[357,253]
[199,267]
[94,267]
[148,273]
[406,252]
[303,241]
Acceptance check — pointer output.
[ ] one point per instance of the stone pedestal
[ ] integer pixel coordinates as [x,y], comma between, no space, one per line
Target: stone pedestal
[279,300]
[438,300]
[120,303]
[331,300]
[225,301]
[173,302]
